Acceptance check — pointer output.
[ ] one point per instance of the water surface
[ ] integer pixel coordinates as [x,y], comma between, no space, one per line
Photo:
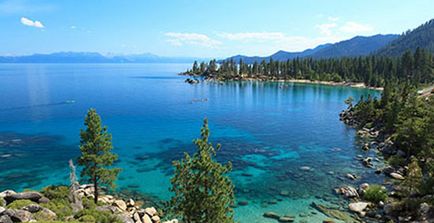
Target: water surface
[267,130]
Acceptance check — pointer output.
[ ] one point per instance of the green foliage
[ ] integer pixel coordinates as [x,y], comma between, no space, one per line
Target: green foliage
[60,206]
[371,70]
[413,181]
[396,161]
[203,192]
[18,204]
[2,202]
[375,193]
[95,216]
[56,192]
[96,156]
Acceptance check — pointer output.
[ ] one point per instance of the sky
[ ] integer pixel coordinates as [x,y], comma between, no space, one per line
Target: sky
[198,28]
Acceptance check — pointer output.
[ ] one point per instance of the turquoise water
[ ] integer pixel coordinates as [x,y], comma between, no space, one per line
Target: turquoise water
[267,130]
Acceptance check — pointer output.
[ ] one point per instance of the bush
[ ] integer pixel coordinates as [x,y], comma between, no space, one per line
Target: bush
[92,215]
[61,207]
[375,193]
[56,192]
[18,204]
[2,202]
[396,161]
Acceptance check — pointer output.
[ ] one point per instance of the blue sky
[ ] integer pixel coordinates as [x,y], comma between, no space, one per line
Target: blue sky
[201,28]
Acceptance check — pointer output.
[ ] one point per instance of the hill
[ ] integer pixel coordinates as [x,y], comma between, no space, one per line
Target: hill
[357,46]
[422,36]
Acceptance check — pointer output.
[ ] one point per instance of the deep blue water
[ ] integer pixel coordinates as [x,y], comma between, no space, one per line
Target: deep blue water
[268,131]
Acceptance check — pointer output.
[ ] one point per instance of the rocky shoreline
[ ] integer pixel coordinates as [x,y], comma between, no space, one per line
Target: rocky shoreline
[32,206]
[388,210]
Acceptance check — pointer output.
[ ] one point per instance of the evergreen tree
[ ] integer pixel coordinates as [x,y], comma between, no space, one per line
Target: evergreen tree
[96,156]
[203,192]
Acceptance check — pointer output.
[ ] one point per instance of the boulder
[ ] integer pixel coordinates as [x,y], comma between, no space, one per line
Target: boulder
[33,196]
[151,211]
[2,209]
[136,217]
[131,203]
[351,176]
[125,218]
[5,219]
[108,208]
[397,176]
[7,193]
[305,168]
[43,200]
[243,203]
[271,214]
[348,192]
[18,215]
[286,219]
[120,204]
[156,219]
[146,219]
[358,207]
[32,208]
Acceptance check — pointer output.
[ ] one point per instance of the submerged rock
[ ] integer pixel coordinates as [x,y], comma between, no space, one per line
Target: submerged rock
[271,214]
[334,213]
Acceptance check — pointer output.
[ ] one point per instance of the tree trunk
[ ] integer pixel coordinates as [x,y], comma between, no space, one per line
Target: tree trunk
[95,185]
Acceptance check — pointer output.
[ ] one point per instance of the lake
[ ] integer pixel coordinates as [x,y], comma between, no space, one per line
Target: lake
[269,131]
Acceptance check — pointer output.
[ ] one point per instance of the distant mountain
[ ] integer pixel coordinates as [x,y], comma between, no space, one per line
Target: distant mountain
[86,57]
[357,46]
[422,36]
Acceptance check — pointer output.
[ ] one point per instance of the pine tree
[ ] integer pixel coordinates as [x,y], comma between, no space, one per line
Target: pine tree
[203,192]
[96,156]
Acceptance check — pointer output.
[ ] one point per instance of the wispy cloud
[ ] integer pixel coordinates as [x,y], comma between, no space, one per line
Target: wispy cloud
[326,28]
[195,39]
[28,22]
[252,36]
[354,27]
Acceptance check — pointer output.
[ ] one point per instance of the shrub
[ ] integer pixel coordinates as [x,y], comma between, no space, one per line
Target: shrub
[87,215]
[61,207]
[396,160]
[56,192]
[375,193]
[18,204]
[2,202]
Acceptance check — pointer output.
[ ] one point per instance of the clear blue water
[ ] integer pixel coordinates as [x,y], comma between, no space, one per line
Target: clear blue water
[268,131]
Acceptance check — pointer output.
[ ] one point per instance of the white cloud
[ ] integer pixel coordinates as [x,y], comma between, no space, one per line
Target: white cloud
[326,29]
[333,19]
[253,36]
[196,39]
[28,22]
[73,27]
[353,27]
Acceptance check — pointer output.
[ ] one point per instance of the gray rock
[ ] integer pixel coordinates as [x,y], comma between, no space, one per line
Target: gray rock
[125,218]
[33,196]
[286,219]
[151,211]
[18,215]
[2,209]
[7,193]
[33,208]
[271,214]
[146,219]
[5,219]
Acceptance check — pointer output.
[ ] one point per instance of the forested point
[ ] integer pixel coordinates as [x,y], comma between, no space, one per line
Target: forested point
[373,71]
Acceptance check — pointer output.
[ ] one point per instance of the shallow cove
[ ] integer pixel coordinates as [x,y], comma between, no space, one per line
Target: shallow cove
[268,130]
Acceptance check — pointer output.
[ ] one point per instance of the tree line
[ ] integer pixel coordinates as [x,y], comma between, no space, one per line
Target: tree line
[371,70]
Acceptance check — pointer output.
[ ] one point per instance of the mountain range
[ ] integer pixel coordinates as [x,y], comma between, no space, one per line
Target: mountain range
[88,57]
[385,45]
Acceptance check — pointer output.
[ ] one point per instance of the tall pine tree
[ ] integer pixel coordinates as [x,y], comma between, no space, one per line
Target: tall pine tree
[96,156]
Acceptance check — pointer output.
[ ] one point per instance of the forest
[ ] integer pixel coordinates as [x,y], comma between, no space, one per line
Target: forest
[373,70]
